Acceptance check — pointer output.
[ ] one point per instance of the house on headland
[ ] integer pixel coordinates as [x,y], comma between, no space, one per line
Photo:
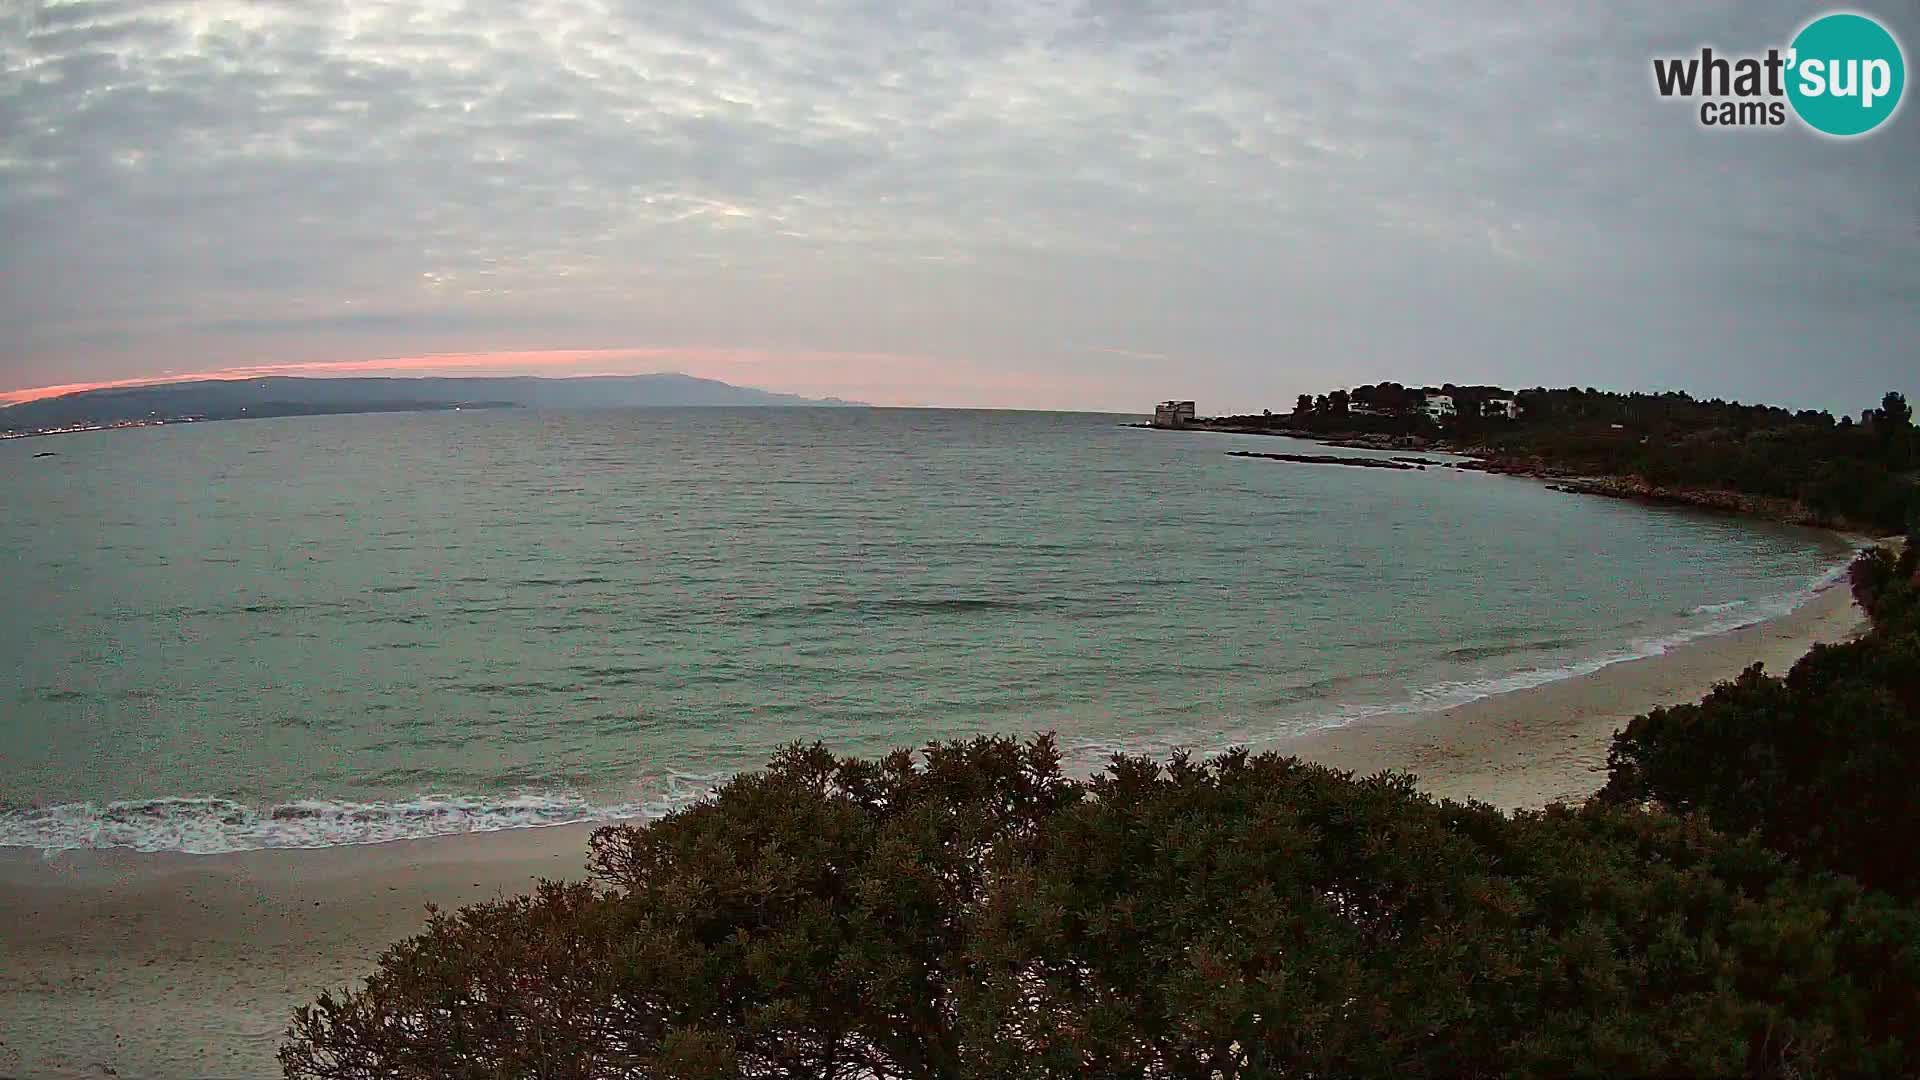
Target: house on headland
[1173,414]
[1438,406]
[1508,408]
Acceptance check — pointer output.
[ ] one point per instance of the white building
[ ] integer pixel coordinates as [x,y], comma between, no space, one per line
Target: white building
[1173,414]
[1437,406]
[1501,406]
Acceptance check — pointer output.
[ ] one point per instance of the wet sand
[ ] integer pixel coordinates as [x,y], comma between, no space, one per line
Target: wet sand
[117,963]
[1547,744]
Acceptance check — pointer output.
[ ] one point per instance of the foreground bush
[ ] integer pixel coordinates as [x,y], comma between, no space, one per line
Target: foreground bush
[972,912]
[1821,764]
[1887,584]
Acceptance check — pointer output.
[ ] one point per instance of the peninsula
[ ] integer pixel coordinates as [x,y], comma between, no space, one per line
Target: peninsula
[1805,467]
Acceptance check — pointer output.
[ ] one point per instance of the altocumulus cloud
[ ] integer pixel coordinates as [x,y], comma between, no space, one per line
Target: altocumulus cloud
[1058,204]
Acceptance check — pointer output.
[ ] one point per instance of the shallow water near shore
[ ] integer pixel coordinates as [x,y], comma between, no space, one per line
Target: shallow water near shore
[346,629]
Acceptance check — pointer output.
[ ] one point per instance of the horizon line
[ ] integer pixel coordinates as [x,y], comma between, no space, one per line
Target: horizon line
[598,363]
[7,396]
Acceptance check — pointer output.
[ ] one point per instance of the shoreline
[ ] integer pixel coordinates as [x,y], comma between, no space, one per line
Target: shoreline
[227,828]
[168,964]
[1525,748]
[1627,488]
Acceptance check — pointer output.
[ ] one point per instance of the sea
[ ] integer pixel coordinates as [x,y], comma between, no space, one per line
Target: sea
[315,631]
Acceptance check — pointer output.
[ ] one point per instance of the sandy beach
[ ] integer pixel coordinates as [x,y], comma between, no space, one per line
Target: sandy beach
[115,963]
[1548,744]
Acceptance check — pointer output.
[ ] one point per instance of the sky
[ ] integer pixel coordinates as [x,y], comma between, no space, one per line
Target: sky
[1093,204]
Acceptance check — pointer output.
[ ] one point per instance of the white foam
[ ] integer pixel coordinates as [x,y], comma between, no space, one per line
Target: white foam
[1716,609]
[206,826]
[1718,619]
[1710,620]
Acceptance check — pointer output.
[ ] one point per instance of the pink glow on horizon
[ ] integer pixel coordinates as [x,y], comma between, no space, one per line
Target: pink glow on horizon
[881,378]
[436,362]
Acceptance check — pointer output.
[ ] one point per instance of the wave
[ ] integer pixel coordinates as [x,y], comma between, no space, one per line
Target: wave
[884,606]
[1720,619]
[1715,609]
[1491,652]
[209,826]
[1441,696]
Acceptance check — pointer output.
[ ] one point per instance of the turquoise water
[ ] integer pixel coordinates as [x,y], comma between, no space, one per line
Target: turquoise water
[338,629]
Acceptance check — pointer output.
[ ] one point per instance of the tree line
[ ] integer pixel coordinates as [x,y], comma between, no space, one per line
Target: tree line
[1849,472]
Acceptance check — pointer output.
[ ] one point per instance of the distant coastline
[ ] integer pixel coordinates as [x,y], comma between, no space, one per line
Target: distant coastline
[1802,468]
[1573,482]
[209,400]
[266,413]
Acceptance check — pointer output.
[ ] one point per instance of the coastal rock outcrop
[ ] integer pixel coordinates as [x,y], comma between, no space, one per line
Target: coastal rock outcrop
[1330,459]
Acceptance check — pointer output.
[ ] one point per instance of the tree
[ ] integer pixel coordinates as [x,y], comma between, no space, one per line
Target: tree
[973,912]
[1894,424]
[1895,413]
[1802,467]
[1303,405]
[1337,402]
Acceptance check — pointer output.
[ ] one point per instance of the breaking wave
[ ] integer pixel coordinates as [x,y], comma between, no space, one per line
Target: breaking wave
[1713,619]
[1710,620]
[207,826]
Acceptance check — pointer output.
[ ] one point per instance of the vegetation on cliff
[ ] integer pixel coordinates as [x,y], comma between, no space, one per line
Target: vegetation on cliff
[1806,466]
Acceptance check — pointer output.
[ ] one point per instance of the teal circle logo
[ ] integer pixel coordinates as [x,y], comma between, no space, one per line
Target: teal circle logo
[1845,74]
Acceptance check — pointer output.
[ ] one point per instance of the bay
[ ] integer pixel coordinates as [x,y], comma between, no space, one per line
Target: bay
[338,629]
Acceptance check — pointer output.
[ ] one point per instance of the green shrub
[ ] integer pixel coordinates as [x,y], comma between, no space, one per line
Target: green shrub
[1887,585]
[973,912]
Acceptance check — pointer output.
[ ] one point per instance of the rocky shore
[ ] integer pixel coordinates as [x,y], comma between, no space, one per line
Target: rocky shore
[1732,502]
[1482,459]
[1405,464]
[1349,440]
[1640,489]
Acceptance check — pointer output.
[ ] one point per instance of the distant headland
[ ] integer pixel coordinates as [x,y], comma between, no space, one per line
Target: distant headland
[249,399]
[1805,467]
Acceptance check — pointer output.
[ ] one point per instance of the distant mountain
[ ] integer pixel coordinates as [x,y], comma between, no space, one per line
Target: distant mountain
[229,399]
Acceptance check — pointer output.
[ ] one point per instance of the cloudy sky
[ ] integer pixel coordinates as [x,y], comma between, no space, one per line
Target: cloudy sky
[1030,203]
